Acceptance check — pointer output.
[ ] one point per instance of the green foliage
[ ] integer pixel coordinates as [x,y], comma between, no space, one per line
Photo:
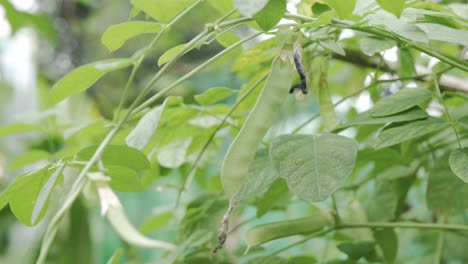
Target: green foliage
[193,150]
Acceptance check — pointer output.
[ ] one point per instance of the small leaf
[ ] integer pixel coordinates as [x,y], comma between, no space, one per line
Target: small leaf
[263,233]
[334,46]
[141,135]
[123,179]
[174,154]
[398,133]
[393,6]
[373,45]
[319,8]
[400,101]
[271,14]
[170,54]
[387,239]
[162,10]
[459,163]
[249,8]
[117,155]
[84,77]
[314,166]
[261,175]
[344,9]
[367,118]
[116,36]
[227,39]
[213,95]
[156,222]
[357,250]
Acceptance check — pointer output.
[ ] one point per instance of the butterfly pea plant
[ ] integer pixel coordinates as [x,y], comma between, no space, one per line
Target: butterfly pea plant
[290,168]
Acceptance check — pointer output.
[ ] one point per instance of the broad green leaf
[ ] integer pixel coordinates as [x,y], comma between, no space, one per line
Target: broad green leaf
[393,6]
[314,166]
[28,158]
[382,204]
[344,8]
[367,118]
[334,46]
[141,135]
[174,154]
[213,95]
[364,7]
[357,250]
[275,193]
[84,77]
[129,234]
[162,10]
[395,134]
[271,14]
[261,175]
[373,45]
[249,8]
[150,175]
[405,63]
[400,101]
[18,128]
[406,30]
[446,193]
[123,179]
[116,36]
[459,163]
[444,33]
[115,258]
[387,240]
[117,155]
[29,193]
[327,110]
[170,54]
[319,8]
[227,39]
[263,233]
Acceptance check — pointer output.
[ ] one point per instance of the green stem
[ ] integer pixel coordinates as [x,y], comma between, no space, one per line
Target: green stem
[439,248]
[442,102]
[130,80]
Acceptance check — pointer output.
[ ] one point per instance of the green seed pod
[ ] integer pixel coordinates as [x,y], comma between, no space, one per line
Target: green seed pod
[242,150]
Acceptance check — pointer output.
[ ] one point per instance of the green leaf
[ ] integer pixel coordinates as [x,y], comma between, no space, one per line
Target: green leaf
[223,6]
[227,39]
[268,259]
[332,45]
[405,63]
[213,95]
[156,222]
[319,8]
[393,6]
[84,77]
[29,193]
[28,158]
[141,135]
[263,233]
[115,258]
[344,8]
[458,162]
[387,240]
[271,14]
[174,154]
[327,110]
[261,175]
[134,12]
[18,128]
[357,250]
[162,10]
[373,45]
[170,54]
[395,134]
[367,118]
[249,8]
[262,52]
[444,33]
[277,192]
[123,179]
[400,101]
[446,193]
[117,155]
[383,202]
[406,30]
[116,36]
[314,166]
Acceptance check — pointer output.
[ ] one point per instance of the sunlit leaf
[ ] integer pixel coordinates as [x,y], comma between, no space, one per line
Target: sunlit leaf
[213,95]
[170,54]
[18,128]
[314,166]
[271,14]
[174,154]
[123,179]
[162,10]
[117,155]
[344,9]
[393,6]
[84,77]
[28,158]
[116,36]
